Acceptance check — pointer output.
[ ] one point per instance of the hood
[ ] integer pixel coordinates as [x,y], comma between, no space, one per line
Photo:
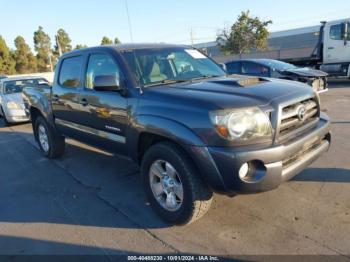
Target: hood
[16,97]
[305,71]
[228,92]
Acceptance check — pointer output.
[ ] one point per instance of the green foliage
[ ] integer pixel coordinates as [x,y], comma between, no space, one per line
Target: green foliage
[117,41]
[42,45]
[25,60]
[63,42]
[80,46]
[106,41]
[7,63]
[246,33]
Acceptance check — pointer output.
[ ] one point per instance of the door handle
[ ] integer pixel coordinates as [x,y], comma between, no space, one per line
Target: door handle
[55,98]
[331,47]
[84,102]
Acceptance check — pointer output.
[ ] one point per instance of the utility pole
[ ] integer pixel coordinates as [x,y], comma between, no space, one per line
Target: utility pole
[50,61]
[58,46]
[191,36]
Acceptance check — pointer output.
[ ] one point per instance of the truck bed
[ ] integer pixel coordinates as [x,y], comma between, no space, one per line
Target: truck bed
[33,93]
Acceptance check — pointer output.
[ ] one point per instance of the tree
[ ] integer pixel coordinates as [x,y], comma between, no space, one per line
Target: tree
[42,45]
[117,41]
[63,42]
[246,33]
[25,60]
[106,41]
[80,46]
[7,63]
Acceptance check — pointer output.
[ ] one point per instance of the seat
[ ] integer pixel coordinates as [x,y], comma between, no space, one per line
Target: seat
[156,75]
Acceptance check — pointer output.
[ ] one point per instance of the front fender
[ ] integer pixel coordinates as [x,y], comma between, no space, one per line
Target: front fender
[160,126]
[181,135]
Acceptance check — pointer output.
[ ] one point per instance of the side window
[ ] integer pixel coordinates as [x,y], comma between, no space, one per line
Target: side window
[99,65]
[335,32]
[254,69]
[70,73]
[233,68]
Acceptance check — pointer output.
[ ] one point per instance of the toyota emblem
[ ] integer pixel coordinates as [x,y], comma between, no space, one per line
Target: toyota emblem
[302,113]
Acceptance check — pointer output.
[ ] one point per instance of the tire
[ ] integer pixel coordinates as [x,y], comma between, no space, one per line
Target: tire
[196,196]
[51,144]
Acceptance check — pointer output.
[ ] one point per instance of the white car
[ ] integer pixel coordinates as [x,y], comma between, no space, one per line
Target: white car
[11,102]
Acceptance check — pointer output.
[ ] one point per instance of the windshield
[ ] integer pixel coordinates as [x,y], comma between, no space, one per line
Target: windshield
[278,65]
[16,86]
[169,65]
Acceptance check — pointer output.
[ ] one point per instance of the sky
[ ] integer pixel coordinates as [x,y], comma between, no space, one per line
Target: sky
[87,21]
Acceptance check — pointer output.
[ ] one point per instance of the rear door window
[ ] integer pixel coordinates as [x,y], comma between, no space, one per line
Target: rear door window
[233,68]
[254,69]
[70,74]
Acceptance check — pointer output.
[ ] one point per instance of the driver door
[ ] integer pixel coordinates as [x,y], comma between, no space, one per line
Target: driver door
[104,112]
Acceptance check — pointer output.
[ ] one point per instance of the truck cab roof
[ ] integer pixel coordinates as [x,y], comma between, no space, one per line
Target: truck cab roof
[128,46]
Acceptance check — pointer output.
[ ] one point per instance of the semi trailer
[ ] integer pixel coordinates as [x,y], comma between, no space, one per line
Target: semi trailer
[325,47]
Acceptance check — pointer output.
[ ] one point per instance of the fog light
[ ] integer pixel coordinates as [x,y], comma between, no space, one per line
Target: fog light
[243,171]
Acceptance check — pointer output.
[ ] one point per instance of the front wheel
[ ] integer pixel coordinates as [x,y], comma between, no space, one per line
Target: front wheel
[51,144]
[173,185]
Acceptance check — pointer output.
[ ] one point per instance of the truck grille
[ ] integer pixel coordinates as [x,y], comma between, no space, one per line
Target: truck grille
[298,115]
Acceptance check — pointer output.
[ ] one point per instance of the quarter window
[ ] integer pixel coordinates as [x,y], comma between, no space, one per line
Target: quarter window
[99,65]
[70,74]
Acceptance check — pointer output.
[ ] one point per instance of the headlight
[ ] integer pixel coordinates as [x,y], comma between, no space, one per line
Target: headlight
[13,105]
[242,124]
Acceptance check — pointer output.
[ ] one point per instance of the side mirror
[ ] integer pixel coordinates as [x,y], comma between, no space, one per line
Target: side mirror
[345,31]
[106,83]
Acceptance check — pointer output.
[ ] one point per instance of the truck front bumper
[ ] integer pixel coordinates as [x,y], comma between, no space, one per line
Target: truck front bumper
[268,167]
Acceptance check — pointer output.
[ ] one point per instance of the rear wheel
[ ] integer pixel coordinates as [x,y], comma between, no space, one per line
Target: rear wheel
[173,186]
[51,144]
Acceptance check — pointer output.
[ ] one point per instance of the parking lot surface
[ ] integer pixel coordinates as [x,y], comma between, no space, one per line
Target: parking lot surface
[91,202]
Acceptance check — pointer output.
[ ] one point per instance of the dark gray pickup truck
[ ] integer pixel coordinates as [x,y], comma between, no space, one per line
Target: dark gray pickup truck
[193,129]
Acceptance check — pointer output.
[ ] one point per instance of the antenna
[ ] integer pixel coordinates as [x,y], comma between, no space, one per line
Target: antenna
[129,21]
[132,39]
[191,36]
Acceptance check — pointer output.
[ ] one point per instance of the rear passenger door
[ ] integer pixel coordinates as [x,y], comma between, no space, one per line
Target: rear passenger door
[255,69]
[66,94]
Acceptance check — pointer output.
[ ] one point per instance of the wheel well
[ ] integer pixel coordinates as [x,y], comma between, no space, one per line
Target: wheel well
[146,140]
[34,113]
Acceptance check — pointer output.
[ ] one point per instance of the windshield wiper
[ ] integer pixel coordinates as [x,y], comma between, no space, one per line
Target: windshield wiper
[205,77]
[168,82]
[174,81]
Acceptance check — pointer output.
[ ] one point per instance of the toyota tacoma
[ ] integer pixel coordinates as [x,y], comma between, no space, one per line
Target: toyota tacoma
[193,129]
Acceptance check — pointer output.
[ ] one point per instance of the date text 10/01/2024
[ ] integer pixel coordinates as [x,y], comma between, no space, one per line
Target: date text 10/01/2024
[173,258]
